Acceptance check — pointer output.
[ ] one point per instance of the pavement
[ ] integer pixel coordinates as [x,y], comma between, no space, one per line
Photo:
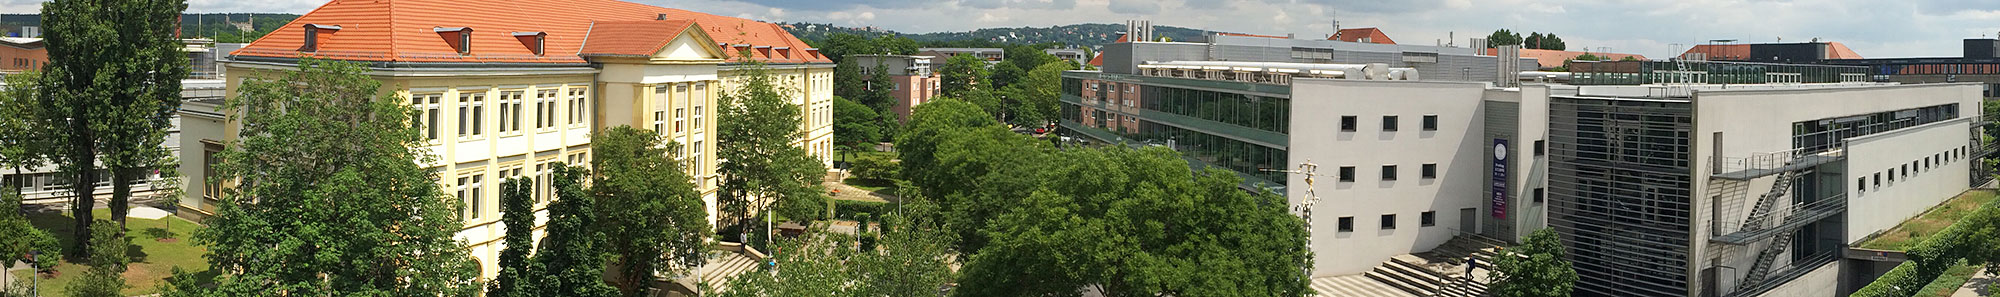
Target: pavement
[1358,285]
[843,191]
[1980,285]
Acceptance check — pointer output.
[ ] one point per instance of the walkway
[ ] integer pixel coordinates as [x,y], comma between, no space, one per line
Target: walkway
[1357,285]
[1979,286]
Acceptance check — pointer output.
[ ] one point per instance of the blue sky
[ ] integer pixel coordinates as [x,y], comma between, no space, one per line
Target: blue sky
[1874,28]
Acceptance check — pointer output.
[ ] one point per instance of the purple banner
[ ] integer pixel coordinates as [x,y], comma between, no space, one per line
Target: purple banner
[1500,178]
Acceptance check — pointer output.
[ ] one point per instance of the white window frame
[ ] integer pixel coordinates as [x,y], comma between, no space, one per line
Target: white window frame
[579,107]
[430,111]
[471,116]
[680,120]
[545,110]
[511,110]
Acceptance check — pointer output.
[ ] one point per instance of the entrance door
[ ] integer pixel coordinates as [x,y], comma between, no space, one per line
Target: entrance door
[1468,220]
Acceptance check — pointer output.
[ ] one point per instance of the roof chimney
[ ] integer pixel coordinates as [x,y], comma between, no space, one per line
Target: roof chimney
[661,17]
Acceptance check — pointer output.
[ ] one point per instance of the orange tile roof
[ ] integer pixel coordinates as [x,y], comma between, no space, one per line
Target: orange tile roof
[1554,58]
[1834,50]
[402,30]
[1720,51]
[1374,35]
[632,38]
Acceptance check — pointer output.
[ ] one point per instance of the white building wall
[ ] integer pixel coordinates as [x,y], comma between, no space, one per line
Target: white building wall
[1822,281]
[1938,172]
[1759,120]
[1457,147]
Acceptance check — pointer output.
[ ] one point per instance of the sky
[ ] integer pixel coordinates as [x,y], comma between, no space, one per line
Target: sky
[1655,28]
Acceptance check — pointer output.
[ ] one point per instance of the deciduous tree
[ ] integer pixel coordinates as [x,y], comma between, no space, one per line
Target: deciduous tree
[330,197]
[571,256]
[113,79]
[517,215]
[653,220]
[961,73]
[105,277]
[854,124]
[1536,267]
[1039,94]
[762,169]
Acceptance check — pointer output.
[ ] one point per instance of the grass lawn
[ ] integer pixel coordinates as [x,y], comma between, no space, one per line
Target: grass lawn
[1949,282]
[152,260]
[872,185]
[1914,230]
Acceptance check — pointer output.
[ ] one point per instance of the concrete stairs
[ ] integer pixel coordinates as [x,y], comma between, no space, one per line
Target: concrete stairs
[720,270]
[1441,271]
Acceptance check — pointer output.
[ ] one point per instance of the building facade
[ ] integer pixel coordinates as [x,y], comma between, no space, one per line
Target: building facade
[19,54]
[991,55]
[915,81]
[504,98]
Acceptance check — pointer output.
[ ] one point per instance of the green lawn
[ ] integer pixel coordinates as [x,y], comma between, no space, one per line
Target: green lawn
[152,259]
[1914,230]
[872,185]
[1949,282]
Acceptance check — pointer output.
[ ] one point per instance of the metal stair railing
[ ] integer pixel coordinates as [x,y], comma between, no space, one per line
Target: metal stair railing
[1765,259]
[1761,213]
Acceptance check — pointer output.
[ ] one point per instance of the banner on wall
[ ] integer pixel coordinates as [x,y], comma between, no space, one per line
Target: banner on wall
[1499,178]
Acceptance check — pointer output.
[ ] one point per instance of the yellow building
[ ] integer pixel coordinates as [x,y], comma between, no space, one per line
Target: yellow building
[504,97]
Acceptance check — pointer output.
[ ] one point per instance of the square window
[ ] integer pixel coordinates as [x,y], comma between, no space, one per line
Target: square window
[1430,170]
[1428,219]
[1347,173]
[1389,123]
[1539,149]
[1348,123]
[1346,224]
[1388,172]
[1430,122]
[1389,222]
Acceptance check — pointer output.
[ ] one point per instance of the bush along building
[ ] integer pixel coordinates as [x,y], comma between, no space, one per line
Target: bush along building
[1663,178]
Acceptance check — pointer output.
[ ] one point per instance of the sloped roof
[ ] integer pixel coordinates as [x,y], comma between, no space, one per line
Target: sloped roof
[1835,50]
[1720,51]
[632,38]
[1374,35]
[403,30]
[1554,58]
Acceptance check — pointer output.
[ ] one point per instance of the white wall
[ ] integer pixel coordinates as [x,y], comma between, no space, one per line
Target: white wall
[1822,281]
[1759,120]
[1457,147]
[1882,207]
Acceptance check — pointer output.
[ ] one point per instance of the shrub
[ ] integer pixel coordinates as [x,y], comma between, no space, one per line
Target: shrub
[876,166]
[848,210]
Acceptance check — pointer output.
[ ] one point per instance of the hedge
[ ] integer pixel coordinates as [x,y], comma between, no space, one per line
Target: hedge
[1930,258]
[846,209]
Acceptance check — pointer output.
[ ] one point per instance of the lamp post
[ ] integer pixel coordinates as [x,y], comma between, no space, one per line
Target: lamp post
[1305,206]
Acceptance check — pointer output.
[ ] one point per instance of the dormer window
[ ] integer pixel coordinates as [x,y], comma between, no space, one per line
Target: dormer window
[313,32]
[784,51]
[764,51]
[460,38]
[535,41]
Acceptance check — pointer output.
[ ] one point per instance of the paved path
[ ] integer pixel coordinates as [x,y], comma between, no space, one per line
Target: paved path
[1358,285]
[1980,285]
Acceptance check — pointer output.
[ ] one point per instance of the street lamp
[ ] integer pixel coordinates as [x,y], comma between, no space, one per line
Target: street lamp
[1305,206]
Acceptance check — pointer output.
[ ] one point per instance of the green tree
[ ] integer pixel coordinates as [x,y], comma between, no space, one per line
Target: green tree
[24,127]
[114,74]
[1551,42]
[1136,222]
[918,143]
[980,173]
[847,80]
[1534,41]
[18,237]
[1502,37]
[914,257]
[1039,95]
[105,278]
[571,256]
[854,124]
[330,197]
[1536,267]
[654,221]
[808,269]
[758,124]
[993,102]
[1006,74]
[517,206]
[961,73]
[1629,58]
[1588,57]
[880,91]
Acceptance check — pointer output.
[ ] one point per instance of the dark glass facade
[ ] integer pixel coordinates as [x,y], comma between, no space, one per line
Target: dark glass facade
[1619,193]
[1194,120]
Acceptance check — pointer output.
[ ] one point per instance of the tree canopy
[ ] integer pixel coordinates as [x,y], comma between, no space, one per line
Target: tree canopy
[653,220]
[329,197]
[762,169]
[571,257]
[114,82]
[517,215]
[855,124]
[1536,267]
[961,73]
